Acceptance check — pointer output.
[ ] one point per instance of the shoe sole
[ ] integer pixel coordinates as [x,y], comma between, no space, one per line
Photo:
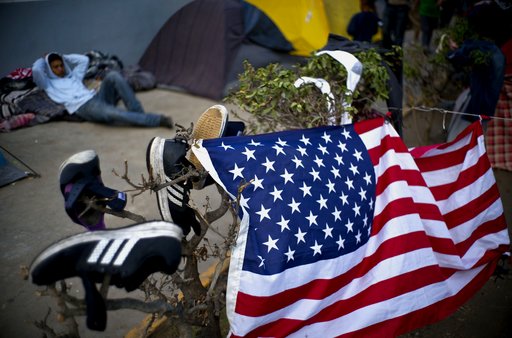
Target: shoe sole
[139,231]
[154,160]
[211,124]
[80,158]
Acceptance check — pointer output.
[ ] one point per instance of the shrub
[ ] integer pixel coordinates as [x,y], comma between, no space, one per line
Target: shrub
[268,93]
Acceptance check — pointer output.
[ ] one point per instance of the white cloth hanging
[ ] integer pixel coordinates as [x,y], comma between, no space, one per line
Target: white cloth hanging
[354,69]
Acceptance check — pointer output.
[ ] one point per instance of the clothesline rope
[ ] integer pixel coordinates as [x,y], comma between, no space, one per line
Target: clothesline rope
[444,111]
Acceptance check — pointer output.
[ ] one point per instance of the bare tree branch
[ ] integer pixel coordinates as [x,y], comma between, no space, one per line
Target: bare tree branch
[181,298]
[93,203]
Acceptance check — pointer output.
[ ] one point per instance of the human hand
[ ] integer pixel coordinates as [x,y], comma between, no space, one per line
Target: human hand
[452,44]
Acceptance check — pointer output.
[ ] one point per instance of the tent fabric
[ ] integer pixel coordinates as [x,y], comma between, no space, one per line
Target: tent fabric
[303,22]
[339,14]
[260,29]
[8,172]
[201,48]
[258,56]
[192,49]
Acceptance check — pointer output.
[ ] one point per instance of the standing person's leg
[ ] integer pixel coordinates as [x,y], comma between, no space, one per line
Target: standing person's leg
[424,30]
[447,10]
[96,110]
[380,8]
[402,18]
[428,24]
[388,27]
[114,87]
[457,123]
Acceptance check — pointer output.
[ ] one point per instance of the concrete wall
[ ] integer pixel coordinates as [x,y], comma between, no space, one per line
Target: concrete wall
[29,29]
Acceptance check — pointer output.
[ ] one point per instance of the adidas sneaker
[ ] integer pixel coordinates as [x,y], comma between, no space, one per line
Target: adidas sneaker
[166,161]
[129,255]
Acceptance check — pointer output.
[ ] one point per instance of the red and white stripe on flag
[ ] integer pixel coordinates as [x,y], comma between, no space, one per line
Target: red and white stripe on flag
[437,233]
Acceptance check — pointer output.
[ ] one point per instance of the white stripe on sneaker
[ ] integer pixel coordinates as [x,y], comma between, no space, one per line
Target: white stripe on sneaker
[174,200]
[176,193]
[98,250]
[101,238]
[117,251]
[121,257]
[177,188]
[112,250]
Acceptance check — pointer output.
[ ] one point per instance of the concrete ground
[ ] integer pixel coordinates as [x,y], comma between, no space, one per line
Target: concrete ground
[32,213]
[32,217]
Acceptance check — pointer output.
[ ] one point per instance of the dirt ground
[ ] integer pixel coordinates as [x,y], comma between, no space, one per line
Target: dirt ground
[32,217]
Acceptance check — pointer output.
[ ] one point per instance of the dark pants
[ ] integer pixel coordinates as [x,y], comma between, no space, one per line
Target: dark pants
[394,25]
[428,25]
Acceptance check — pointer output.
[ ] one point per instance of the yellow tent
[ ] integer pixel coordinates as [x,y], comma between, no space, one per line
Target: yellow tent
[306,24]
[303,22]
[339,13]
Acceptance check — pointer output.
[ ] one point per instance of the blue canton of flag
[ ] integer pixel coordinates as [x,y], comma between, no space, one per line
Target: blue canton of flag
[310,198]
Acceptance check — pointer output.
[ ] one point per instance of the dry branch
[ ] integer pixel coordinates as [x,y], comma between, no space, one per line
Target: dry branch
[198,305]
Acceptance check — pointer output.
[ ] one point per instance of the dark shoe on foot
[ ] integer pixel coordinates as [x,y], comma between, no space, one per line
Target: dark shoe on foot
[166,161]
[79,178]
[166,121]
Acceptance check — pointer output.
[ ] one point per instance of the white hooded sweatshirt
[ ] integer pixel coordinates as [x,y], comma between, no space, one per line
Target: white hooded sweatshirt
[68,90]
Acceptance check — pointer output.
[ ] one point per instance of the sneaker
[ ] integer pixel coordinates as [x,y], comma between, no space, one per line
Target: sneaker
[211,124]
[166,121]
[79,177]
[166,161]
[128,255]
[234,128]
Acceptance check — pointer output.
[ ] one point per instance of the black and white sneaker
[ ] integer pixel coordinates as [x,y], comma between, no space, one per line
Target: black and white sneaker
[129,255]
[166,161]
[80,176]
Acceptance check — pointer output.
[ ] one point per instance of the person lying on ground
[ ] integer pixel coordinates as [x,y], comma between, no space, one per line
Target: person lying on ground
[61,77]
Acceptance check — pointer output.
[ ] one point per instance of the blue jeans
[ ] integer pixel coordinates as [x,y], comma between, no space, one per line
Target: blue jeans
[103,106]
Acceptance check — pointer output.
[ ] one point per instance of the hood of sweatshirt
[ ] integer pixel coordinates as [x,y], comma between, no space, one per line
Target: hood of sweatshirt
[68,90]
[48,69]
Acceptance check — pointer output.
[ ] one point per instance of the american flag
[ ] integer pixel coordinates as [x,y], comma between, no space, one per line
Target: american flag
[344,231]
